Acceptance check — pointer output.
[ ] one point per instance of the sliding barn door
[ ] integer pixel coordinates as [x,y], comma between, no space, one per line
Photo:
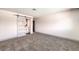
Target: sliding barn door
[21,28]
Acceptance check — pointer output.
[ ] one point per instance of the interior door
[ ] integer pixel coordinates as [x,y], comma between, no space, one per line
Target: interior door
[21,28]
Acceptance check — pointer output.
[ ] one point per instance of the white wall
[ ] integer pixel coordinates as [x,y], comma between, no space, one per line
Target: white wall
[62,24]
[8,25]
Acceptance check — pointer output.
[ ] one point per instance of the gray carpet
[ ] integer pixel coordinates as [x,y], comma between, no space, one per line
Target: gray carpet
[39,42]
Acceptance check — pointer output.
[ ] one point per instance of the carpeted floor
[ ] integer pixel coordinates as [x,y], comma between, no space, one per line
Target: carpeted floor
[39,42]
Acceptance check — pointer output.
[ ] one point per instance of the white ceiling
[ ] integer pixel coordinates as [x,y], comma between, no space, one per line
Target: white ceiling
[39,11]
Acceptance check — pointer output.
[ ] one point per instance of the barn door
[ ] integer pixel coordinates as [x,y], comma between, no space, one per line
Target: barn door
[21,26]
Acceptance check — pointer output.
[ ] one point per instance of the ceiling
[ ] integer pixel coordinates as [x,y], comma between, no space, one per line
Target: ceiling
[35,13]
